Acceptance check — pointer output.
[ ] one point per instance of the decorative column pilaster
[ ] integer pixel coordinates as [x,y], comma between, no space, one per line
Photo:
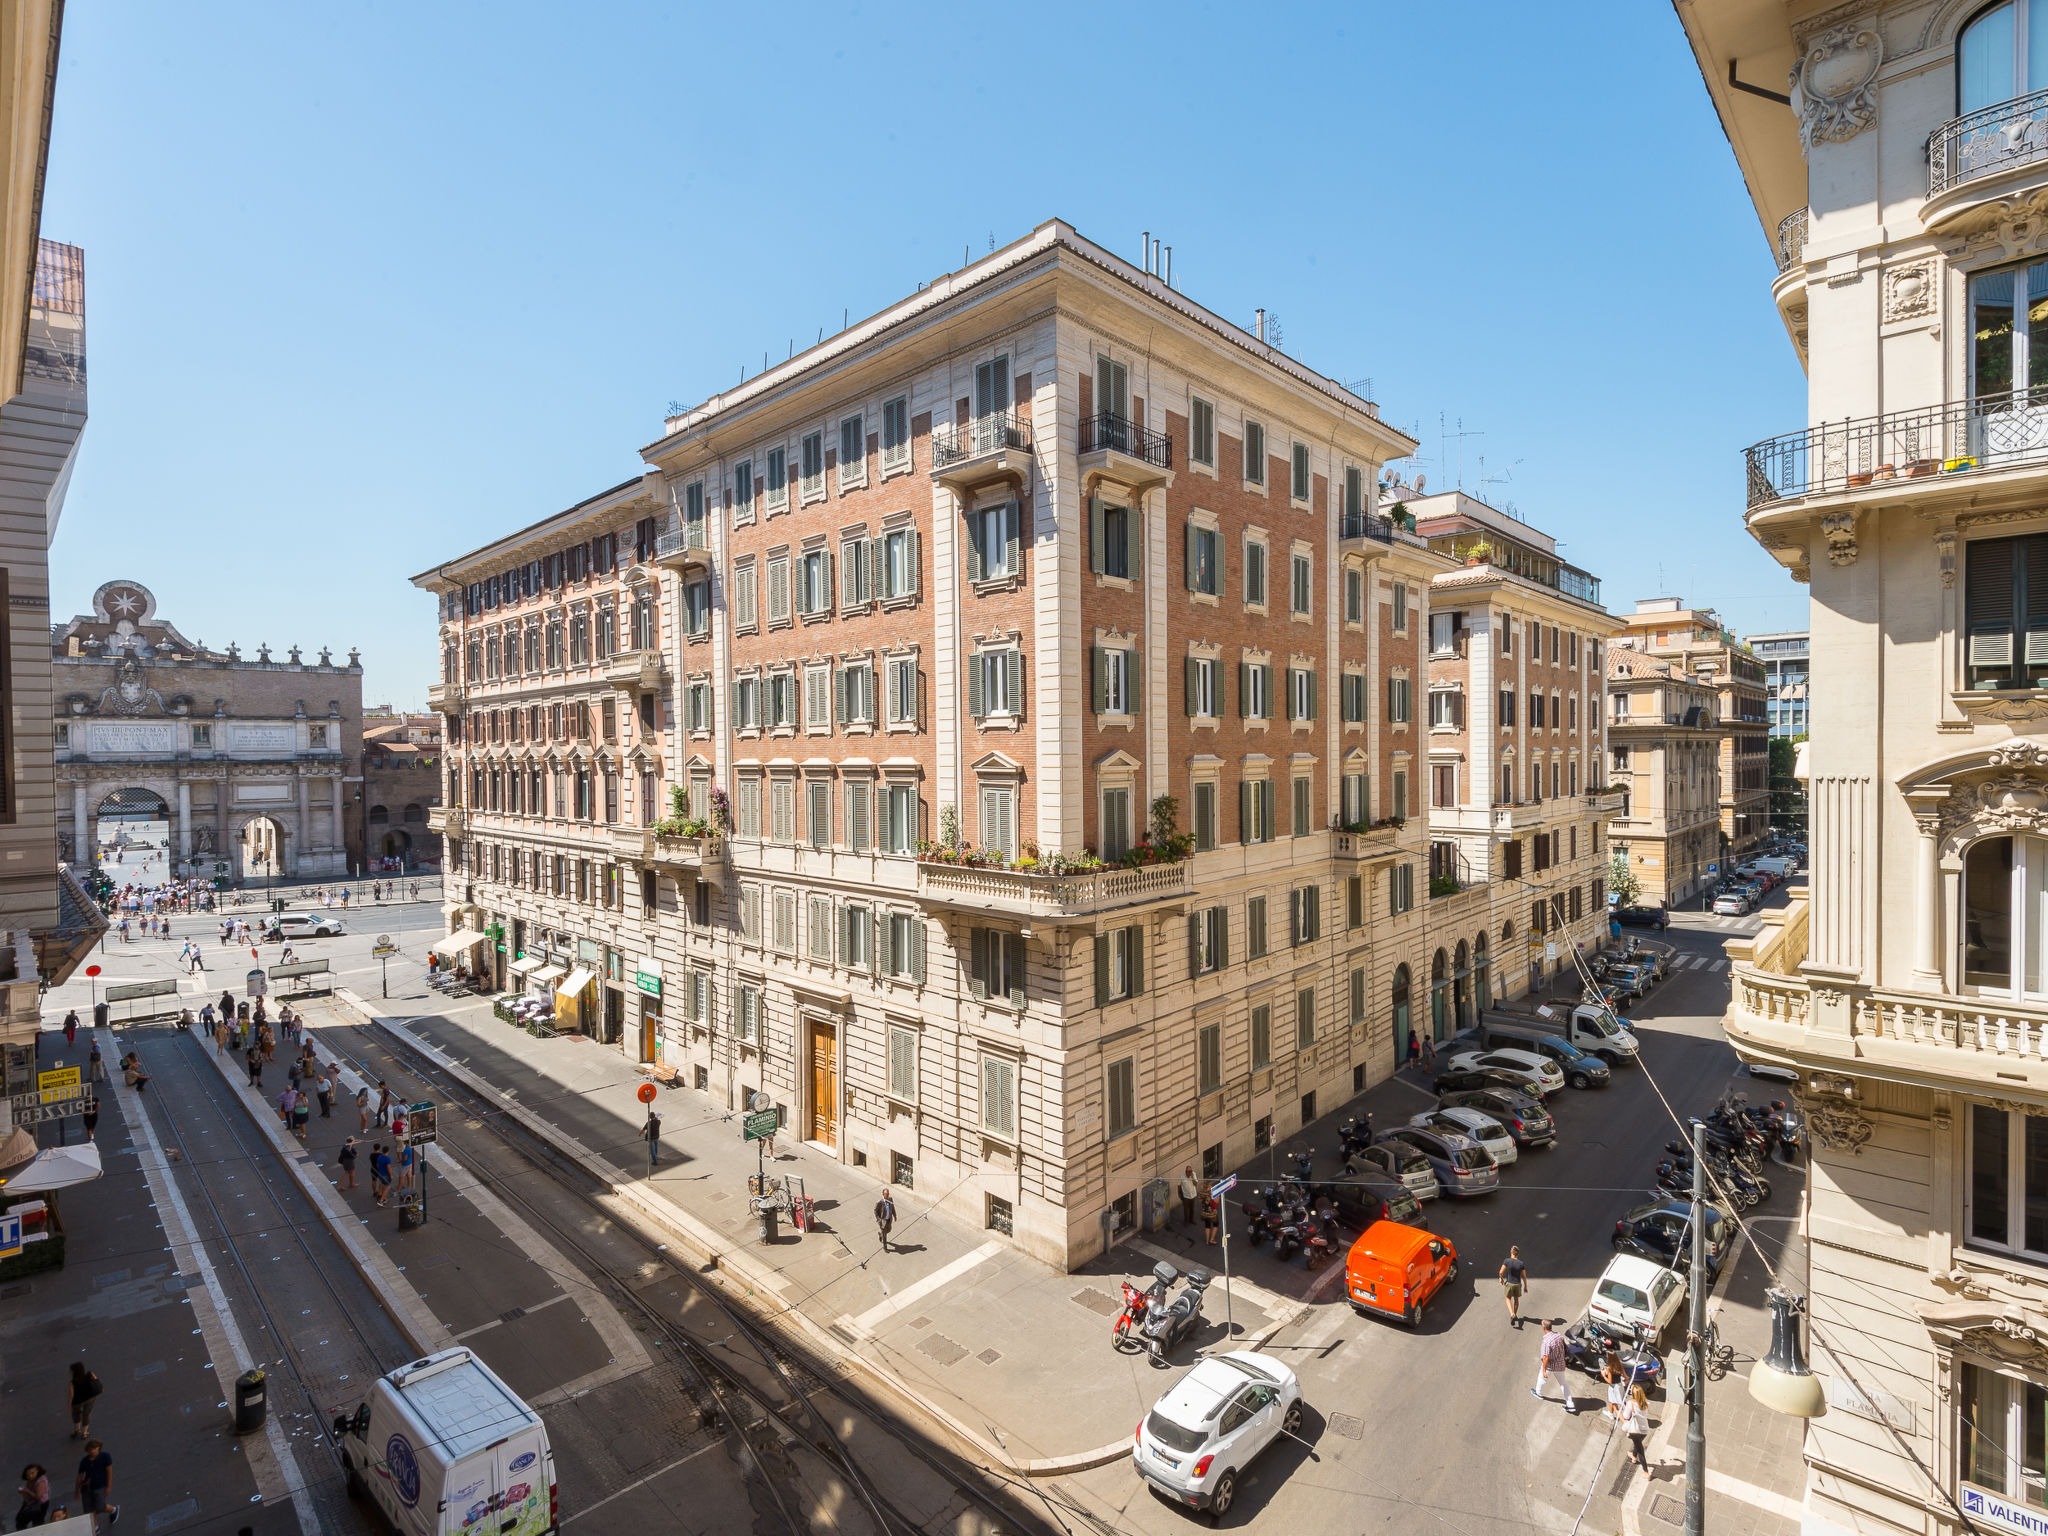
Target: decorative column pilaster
[334,801]
[302,840]
[1927,967]
[184,820]
[81,829]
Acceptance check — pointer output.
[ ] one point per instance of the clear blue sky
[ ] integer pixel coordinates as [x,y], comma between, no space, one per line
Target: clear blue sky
[368,285]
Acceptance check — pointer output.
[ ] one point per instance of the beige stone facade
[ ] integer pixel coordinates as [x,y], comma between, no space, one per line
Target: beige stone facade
[243,755]
[1902,190]
[1698,643]
[1664,759]
[921,623]
[1516,749]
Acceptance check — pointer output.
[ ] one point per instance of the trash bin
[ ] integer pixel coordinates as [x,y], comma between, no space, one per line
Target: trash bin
[100,1014]
[250,1402]
[770,1218]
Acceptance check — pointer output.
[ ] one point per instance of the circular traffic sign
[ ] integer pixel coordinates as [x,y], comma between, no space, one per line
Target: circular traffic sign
[92,970]
[383,938]
[647,1093]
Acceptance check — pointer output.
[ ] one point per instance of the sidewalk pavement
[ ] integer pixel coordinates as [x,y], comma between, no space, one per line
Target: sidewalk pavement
[131,1301]
[981,1336]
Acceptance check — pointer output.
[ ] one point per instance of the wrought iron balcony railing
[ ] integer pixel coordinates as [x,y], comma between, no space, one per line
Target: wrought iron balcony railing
[985,434]
[1116,435]
[1990,432]
[1791,239]
[1991,139]
[1366,525]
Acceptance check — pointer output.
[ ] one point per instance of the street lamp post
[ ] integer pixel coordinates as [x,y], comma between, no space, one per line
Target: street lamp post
[1696,1347]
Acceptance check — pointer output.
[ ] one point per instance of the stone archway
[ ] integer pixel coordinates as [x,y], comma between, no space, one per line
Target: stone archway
[262,847]
[396,844]
[130,823]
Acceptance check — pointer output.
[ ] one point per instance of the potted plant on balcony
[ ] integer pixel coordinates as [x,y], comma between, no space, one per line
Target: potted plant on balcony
[1479,554]
[1951,466]
[1916,468]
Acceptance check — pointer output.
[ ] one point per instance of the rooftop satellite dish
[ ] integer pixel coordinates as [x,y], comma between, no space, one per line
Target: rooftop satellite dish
[1420,482]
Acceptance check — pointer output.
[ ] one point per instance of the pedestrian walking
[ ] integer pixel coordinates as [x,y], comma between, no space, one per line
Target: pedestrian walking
[1635,1422]
[99,1067]
[255,1063]
[1190,1193]
[1550,1362]
[198,964]
[70,1026]
[1414,1049]
[408,1157]
[651,1134]
[286,1102]
[1429,1055]
[85,1391]
[363,1110]
[347,1158]
[1514,1280]
[380,1171]
[35,1496]
[1615,1375]
[91,1115]
[383,1102]
[1212,1217]
[885,1217]
[324,1087]
[302,1113]
[96,1484]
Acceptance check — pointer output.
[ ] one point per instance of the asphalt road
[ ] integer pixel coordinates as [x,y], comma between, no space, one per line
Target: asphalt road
[1435,1430]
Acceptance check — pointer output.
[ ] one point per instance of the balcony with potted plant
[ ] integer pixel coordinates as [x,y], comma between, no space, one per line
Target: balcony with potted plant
[1056,886]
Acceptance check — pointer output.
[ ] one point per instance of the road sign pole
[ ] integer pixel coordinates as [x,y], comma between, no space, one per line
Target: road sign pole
[385,988]
[1217,1191]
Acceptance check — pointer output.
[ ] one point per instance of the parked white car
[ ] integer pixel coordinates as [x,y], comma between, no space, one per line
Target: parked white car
[1196,1442]
[1540,1073]
[1475,1123]
[1633,1294]
[1731,904]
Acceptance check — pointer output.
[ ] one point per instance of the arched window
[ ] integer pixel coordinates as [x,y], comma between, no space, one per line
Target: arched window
[2005,916]
[2003,53]
[378,815]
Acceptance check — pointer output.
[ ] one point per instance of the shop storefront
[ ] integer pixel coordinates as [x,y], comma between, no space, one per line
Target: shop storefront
[647,979]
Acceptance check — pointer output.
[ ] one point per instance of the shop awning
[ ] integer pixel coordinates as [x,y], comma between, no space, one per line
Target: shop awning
[529,963]
[579,978]
[57,1168]
[458,944]
[549,973]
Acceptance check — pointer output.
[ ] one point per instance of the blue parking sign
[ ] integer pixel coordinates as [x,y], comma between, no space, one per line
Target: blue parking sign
[10,1235]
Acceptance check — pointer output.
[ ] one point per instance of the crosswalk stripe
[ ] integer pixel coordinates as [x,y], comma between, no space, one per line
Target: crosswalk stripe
[1721,964]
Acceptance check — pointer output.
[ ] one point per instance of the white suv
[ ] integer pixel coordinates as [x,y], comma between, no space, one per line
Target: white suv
[1195,1443]
[303,925]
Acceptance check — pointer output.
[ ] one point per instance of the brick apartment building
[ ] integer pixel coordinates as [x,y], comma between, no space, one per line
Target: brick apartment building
[994,734]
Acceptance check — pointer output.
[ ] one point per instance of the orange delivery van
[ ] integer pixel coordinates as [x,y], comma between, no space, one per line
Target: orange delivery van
[1393,1269]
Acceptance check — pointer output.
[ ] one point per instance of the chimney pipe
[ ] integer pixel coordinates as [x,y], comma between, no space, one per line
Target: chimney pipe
[1167,273]
[1147,241]
[1262,325]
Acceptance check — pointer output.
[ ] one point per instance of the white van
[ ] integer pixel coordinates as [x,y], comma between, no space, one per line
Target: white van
[445,1448]
[304,925]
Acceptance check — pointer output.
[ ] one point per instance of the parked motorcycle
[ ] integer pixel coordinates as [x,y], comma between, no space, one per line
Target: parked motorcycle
[1137,1306]
[1585,1349]
[1322,1239]
[1354,1136]
[1165,1326]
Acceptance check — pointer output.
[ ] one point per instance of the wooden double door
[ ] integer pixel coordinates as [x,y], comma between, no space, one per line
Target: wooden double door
[823,1109]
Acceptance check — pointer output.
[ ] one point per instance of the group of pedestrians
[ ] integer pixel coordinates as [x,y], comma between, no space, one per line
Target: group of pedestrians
[1628,1405]
[92,1487]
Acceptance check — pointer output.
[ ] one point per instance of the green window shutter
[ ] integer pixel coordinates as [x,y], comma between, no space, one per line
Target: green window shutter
[1095,533]
[1220,564]
[1138,960]
[1244,811]
[1266,807]
[1099,664]
[1134,675]
[911,565]
[1312,700]
[1193,533]
[1102,970]
[1015,661]
[1244,689]
[1188,670]
[976,564]
[1294,915]
[1134,534]
[978,964]
[917,949]
[840,679]
[885,928]
[974,700]
[1222,937]
[1194,943]
[1013,527]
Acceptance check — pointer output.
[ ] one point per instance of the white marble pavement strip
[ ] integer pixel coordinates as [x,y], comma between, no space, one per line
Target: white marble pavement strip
[276,1474]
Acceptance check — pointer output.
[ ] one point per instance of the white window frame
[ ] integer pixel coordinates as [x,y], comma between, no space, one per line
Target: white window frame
[1301,584]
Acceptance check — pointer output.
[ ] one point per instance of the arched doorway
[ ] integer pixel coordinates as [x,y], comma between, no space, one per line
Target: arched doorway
[134,825]
[1461,977]
[396,844]
[1400,1010]
[261,849]
[1439,980]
